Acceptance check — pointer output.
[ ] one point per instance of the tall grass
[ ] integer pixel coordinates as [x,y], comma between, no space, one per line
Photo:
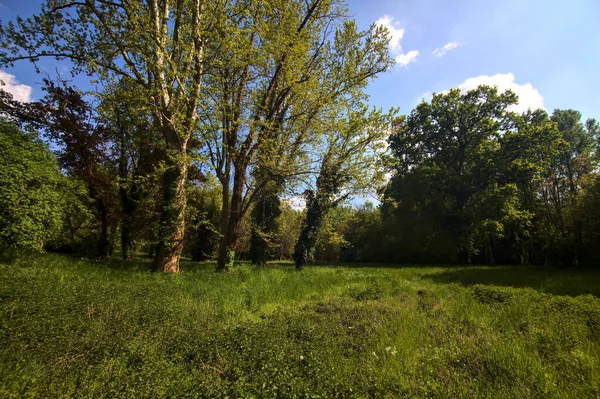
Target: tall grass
[72,327]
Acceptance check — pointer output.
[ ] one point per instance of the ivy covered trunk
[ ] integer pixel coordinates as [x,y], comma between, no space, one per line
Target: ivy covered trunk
[231,234]
[172,217]
[264,225]
[316,210]
[318,204]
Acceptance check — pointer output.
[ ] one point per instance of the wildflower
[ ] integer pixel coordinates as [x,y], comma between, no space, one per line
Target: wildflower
[301,357]
[387,348]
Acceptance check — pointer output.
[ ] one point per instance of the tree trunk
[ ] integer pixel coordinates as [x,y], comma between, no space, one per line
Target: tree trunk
[316,211]
[230,235]
[127,234]
[103,242]
[224,224]
[127,204]
[172,222]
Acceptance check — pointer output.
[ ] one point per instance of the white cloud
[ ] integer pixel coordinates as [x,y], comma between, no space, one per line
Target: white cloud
[20,92]
[396,35]
[529,96]
[405,59]
[439,52]
[425,96]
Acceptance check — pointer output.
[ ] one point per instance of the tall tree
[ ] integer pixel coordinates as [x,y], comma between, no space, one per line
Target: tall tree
[160,46]
[287,61]
[445,172]
[264,227]
[565,176]
[528,147]
[349,164]
[204,201]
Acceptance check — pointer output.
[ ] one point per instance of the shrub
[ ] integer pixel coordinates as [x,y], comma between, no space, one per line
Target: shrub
[31,203]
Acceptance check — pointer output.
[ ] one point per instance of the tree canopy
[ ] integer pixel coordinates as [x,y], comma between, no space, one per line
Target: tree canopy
[32,198]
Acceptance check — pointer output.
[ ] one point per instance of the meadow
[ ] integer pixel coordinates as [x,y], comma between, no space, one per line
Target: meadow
[73,327]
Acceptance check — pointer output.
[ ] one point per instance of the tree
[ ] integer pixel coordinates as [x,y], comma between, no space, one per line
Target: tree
[365,235]
[590,207]
[264,226]
[160,46]
[70,121]
[32,200]
[204,214]
[289,224]
[564,179]
[348,165]
[136,152]
[286,63]
[527,148]
[445,175]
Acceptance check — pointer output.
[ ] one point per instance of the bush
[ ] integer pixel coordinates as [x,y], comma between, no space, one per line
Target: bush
[31,202]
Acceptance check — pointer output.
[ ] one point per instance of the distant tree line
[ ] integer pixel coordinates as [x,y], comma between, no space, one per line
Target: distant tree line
[473,182]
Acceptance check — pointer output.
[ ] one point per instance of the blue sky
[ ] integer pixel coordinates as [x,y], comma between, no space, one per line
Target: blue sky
[552,45]
[547,51]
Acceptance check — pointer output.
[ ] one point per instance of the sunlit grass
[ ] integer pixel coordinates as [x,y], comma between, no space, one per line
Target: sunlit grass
[72,327]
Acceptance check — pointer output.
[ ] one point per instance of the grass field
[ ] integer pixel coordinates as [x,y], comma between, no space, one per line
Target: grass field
[71,327]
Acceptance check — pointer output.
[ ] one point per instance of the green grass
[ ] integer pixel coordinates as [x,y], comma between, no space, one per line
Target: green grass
[71,327]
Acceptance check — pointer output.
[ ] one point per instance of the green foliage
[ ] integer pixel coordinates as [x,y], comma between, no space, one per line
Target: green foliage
[136,155]
[264,217]
[289,224]
[74,327]
[32,190]
[317,206]
[331,241]
[79,233]
[365,236]
[71,123]
[350,164]
[568,173]
[468,177]
[203,212]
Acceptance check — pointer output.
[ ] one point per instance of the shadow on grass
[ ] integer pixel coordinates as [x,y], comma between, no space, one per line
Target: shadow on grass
[338,264]
[558,281]
[552,280]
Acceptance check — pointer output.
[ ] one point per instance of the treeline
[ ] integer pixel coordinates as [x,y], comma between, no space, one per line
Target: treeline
[209,117]
[469,182]
[246,100]
[473,182]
